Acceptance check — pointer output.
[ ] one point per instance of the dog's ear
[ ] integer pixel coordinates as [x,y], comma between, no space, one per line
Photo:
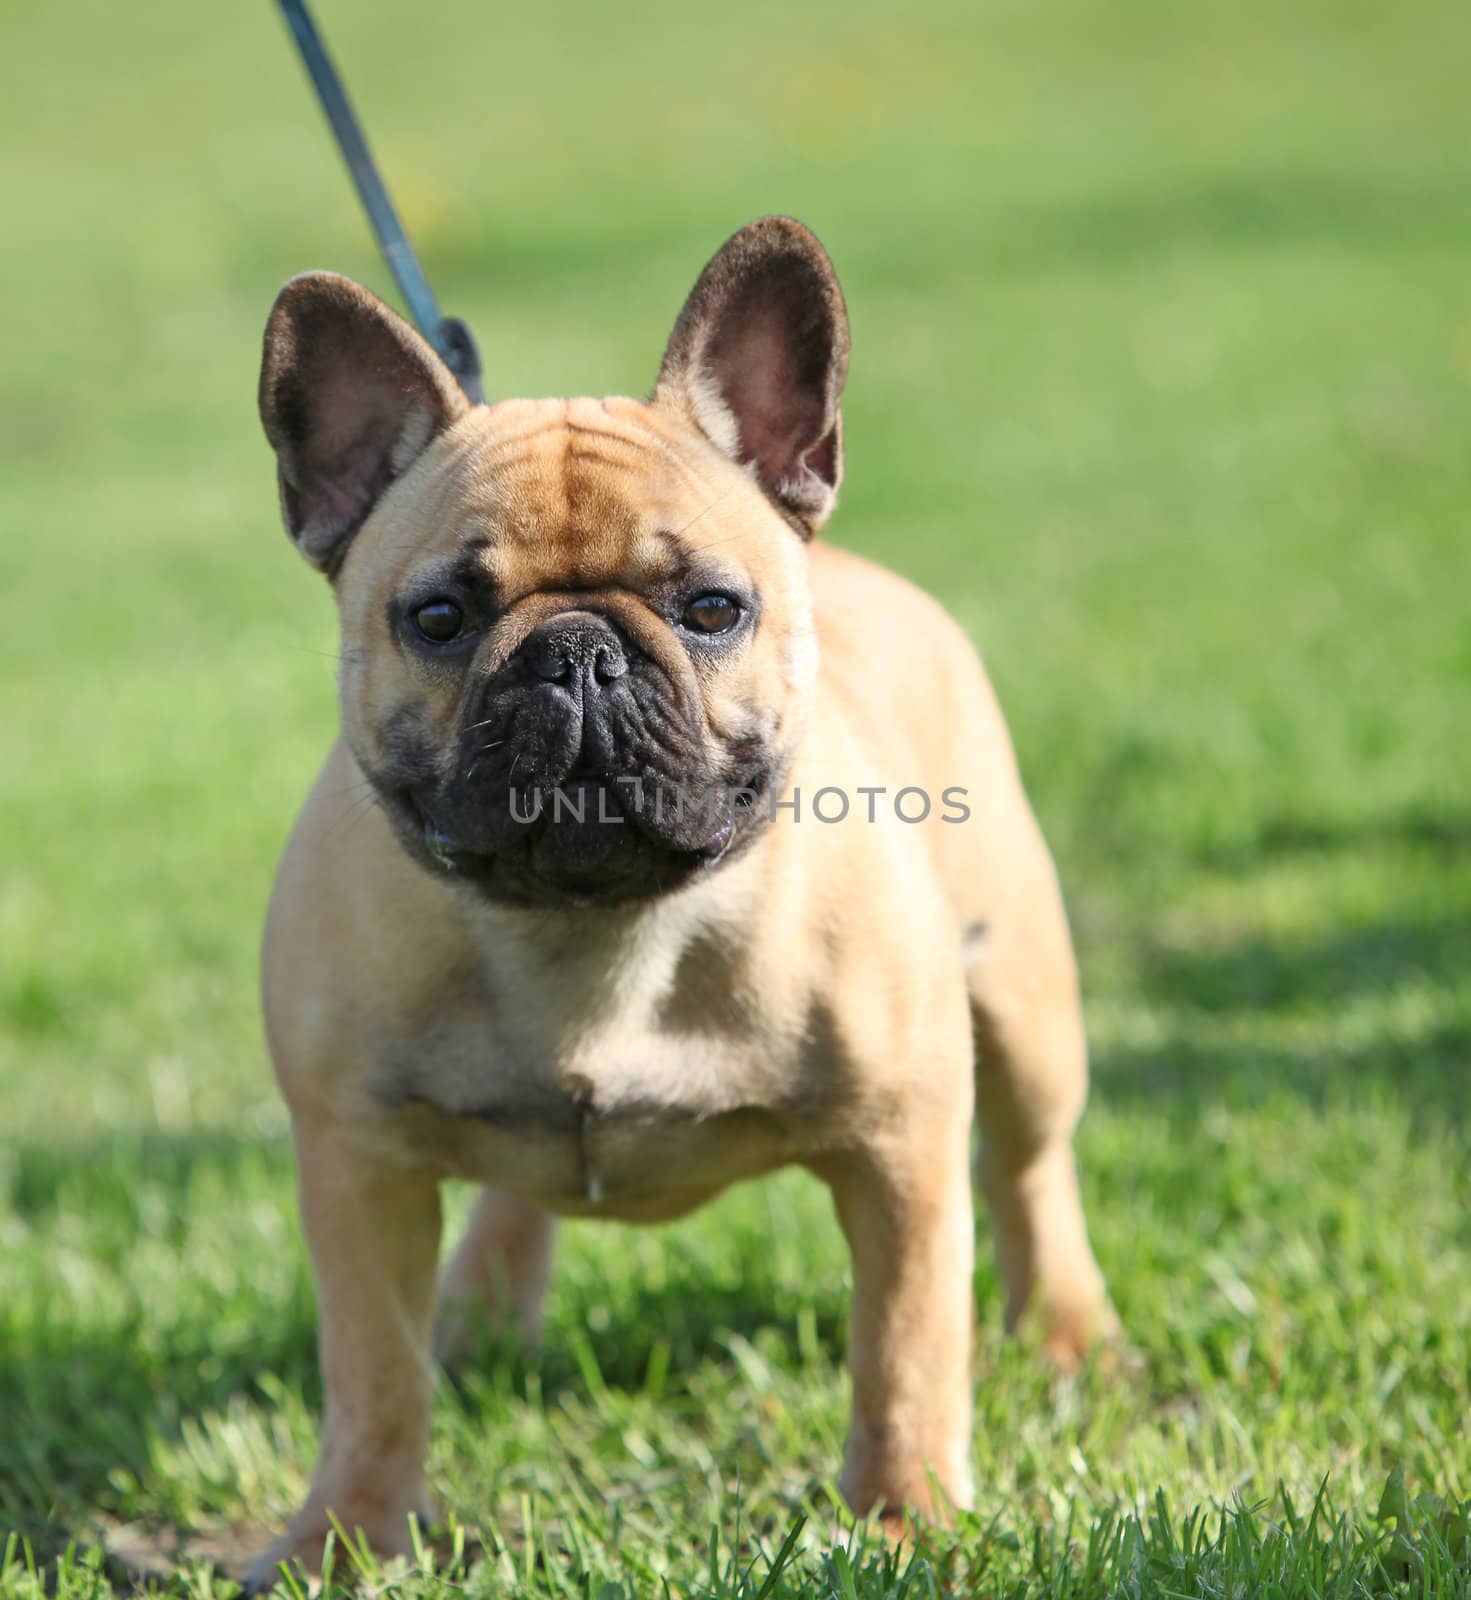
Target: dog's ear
[757,360]
[349,396]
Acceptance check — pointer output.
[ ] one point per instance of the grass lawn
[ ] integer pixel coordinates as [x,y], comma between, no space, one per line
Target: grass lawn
[1162,378]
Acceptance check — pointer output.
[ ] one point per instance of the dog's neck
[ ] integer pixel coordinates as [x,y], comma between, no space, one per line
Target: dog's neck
[583,954]
[577,971]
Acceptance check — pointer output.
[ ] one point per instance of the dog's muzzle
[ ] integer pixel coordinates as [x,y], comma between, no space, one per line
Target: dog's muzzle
[585,776]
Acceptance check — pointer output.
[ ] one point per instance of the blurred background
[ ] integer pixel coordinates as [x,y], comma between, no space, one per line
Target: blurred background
[1161,380]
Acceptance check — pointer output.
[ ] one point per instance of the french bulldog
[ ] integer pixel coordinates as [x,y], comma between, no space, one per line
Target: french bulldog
[663,846]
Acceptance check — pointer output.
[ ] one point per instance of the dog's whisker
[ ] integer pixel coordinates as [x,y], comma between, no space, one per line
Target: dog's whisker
[680,532]
[359,807]
[352,655]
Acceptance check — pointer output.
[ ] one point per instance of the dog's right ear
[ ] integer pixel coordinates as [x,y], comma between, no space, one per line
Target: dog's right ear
[350,395]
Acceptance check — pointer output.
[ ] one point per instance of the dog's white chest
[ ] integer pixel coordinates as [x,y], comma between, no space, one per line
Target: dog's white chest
[629,1123]
[635,1086]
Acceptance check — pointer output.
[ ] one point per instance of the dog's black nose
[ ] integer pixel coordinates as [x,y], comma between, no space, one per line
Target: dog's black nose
[577,650]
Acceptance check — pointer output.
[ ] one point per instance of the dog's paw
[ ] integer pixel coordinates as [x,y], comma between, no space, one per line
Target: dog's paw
[1076,1330]
[299,1550]
[281,1558]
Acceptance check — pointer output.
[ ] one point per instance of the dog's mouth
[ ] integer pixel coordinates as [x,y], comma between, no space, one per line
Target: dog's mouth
[588,840]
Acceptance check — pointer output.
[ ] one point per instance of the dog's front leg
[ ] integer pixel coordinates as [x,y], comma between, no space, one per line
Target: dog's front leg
[373,1229]
[905,1206]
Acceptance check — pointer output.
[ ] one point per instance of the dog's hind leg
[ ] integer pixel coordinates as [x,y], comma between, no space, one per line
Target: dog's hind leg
[497,1278]
[1031,1084]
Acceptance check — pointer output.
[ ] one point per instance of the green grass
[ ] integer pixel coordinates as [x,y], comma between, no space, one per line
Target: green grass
[1162,378]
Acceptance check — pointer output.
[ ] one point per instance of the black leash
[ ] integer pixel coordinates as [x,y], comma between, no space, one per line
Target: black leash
[449,336]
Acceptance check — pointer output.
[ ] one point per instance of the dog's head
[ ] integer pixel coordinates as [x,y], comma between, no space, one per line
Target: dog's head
[578,647]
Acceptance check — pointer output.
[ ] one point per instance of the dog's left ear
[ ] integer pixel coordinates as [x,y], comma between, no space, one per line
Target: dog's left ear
[758,358]
[350,395]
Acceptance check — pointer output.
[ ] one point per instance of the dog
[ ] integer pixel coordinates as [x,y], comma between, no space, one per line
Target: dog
[698,849]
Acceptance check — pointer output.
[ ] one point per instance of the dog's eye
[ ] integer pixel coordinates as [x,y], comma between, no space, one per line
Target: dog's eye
[440,621]
[711,613]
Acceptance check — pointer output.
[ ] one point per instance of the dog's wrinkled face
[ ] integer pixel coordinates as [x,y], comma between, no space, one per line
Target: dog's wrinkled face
[570,633]
[577,641]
